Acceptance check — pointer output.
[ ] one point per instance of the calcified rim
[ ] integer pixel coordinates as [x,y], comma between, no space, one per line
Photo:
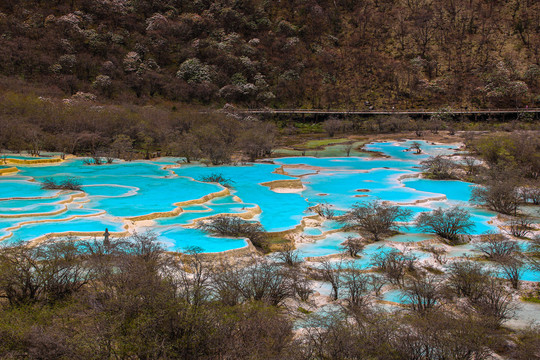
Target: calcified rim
[22,223]
[32,161]
[249,214]
[8,171]
[70,200]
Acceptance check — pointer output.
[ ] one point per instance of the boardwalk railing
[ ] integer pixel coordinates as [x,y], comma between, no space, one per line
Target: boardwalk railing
[386,112]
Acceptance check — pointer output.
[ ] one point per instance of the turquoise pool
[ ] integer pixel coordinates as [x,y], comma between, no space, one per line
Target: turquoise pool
[151,191]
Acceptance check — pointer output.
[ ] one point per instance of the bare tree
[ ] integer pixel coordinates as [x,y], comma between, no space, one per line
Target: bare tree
[357,289]
[467,279]
[264,280]
[259,279]
[332,126]
[416,146]
[289,255]
[185,145]
[495,303]
[46,273]
[393,264]
[332,272]
[520,226]
[324,210]
[237,227]
[226,283]
[218,178]
[122,147]
[471,165]
[495,246]
[257,138]
[195,277]
[439,254]
[423,292]
[438,167]
[375,218]
[353,246]
[69,183]
[534,249]
[376,284]
[513,268]
[500,196]
[300,282]
[530,194]
[528,344]
[447,223]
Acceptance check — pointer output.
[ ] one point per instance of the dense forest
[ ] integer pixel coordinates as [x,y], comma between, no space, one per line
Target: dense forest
[312,54]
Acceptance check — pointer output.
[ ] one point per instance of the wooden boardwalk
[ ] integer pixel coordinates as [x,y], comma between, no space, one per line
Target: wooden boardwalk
[384,112]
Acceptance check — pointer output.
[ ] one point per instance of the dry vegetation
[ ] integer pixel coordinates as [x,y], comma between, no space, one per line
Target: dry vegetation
[315,54]
[129,299]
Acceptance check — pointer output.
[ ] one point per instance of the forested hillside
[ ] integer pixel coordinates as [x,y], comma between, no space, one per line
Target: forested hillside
[287,53]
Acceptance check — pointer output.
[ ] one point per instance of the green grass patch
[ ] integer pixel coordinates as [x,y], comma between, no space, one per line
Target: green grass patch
[304,311]
[312,144]
[276,242]
[531,299]
[309,128]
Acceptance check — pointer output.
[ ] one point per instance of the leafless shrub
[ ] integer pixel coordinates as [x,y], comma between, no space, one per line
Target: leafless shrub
[70,183]
[438,167]
[520,226]
[501,196]
[324,210]
[495,246]
[217,178]
[289,255]
[375,218]
[416,146]
[447,223]
[236,227]
[423,292]
[353,246]
[394,265]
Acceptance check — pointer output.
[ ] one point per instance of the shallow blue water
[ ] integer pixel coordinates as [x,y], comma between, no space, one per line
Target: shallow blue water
[410,238]
[280,211]
[181,239]
[11,188]
[86,225]
[327,246]
[299,172]
[128,189]
[398,150]
[312,231]
[396,296]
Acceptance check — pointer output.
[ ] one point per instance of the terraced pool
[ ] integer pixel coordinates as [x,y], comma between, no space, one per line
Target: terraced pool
[167,197]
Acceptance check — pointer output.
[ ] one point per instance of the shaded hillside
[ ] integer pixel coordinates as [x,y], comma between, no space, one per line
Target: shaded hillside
[311,53]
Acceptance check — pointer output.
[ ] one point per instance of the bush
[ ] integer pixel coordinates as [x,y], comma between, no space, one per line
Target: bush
[236,227]
[375,218]
[217,178]
[70,183]
[353,246]
[95,160]
[447,223]
[498,195]
[416,146]
[496,247]
[332,126]
[438,167]
[324,210]
[394,265]
[520,226]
